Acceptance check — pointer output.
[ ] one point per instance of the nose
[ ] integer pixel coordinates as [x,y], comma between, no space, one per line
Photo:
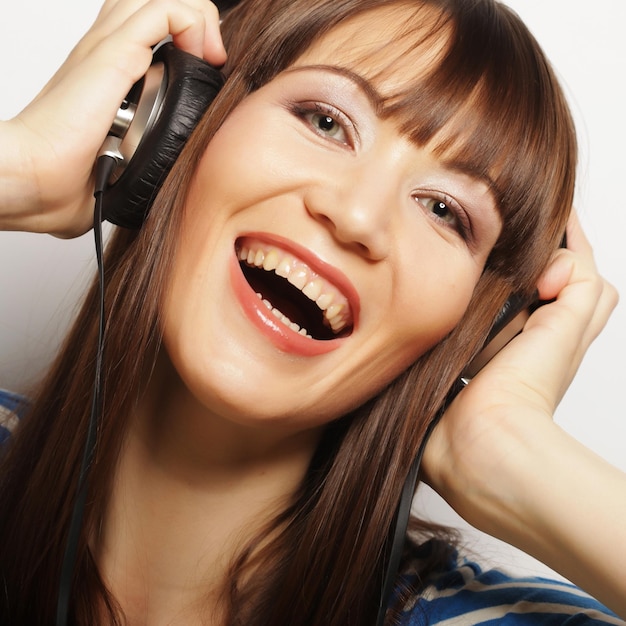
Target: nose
[357,209]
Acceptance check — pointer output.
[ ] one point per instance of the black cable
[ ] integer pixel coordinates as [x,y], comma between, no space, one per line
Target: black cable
[404,511]
[104,167]
[401,523]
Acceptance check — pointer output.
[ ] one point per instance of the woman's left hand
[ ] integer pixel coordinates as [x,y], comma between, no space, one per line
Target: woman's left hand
[504,465]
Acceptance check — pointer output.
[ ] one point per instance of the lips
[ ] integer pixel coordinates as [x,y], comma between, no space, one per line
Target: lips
[302,295]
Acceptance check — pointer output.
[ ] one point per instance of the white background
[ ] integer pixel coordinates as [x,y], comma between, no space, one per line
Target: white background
[41,277]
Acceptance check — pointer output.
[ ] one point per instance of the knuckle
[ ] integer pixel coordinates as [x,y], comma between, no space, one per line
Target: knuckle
[612,294]
[213,11]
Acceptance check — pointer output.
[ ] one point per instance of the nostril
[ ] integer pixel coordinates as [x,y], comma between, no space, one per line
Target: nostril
[325,221]
[363,249]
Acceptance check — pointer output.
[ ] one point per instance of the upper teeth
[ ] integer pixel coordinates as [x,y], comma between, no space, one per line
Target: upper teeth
[329,299]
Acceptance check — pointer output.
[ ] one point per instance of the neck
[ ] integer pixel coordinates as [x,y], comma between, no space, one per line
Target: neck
[190,491]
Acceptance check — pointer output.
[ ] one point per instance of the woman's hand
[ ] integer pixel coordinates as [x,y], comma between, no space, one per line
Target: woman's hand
[501,462]
[49,149]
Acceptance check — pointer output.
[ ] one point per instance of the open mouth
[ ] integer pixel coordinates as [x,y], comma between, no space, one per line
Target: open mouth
[296,295]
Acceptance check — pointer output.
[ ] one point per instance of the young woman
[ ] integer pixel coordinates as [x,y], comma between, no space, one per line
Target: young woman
[372,183]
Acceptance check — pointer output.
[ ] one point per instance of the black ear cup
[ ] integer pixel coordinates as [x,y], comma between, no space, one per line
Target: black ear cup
[510,310]
[163,109]
[508,323]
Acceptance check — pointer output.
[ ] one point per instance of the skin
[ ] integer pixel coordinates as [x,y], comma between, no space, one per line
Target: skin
[99,72]
[352,207]
[168,479]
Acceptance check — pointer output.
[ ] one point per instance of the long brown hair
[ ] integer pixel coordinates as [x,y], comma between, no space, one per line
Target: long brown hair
[491,103]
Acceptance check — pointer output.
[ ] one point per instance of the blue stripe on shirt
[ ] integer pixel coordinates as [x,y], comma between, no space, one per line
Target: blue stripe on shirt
[11,407]
[464,595]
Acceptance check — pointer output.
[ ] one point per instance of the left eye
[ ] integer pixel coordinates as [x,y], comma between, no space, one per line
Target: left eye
[440,209]
[446,212]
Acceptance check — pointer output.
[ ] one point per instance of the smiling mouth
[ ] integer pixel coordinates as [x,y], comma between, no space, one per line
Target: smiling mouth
[297,296]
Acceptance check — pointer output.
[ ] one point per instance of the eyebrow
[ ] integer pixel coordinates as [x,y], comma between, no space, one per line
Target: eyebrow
[468,170]
[375,98]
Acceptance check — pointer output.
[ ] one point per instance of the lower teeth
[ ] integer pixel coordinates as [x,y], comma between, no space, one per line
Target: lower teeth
[283,318]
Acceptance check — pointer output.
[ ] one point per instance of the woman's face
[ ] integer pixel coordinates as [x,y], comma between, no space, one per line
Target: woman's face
[311,215]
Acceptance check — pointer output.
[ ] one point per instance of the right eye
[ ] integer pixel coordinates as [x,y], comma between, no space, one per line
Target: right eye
[326,125]
[326,121]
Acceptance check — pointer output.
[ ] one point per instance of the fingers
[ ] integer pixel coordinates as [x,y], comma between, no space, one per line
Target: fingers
[560,269]
[576,238]
[562,331]
[125,31]
[478,455]
[193,24]
[573,279]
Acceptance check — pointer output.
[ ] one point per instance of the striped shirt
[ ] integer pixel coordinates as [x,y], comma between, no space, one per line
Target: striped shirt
[10,404]
[463,594]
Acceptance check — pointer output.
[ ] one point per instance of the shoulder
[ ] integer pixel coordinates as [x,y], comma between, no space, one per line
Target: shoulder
[11,406]
[465,594]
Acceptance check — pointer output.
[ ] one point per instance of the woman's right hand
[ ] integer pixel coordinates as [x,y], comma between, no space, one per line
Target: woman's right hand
[504,465]
[48,151]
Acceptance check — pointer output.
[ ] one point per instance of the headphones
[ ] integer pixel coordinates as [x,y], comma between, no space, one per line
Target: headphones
[150,129]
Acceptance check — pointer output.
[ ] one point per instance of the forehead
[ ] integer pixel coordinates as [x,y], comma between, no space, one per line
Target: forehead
[399,49]
[394,47]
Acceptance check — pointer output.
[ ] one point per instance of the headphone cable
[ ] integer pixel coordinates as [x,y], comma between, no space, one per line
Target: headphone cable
[403,512]
[104,168]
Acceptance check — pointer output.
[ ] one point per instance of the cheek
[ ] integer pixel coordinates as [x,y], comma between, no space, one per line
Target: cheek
[423,312]
[430,307]
[219,172]
[239,165]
